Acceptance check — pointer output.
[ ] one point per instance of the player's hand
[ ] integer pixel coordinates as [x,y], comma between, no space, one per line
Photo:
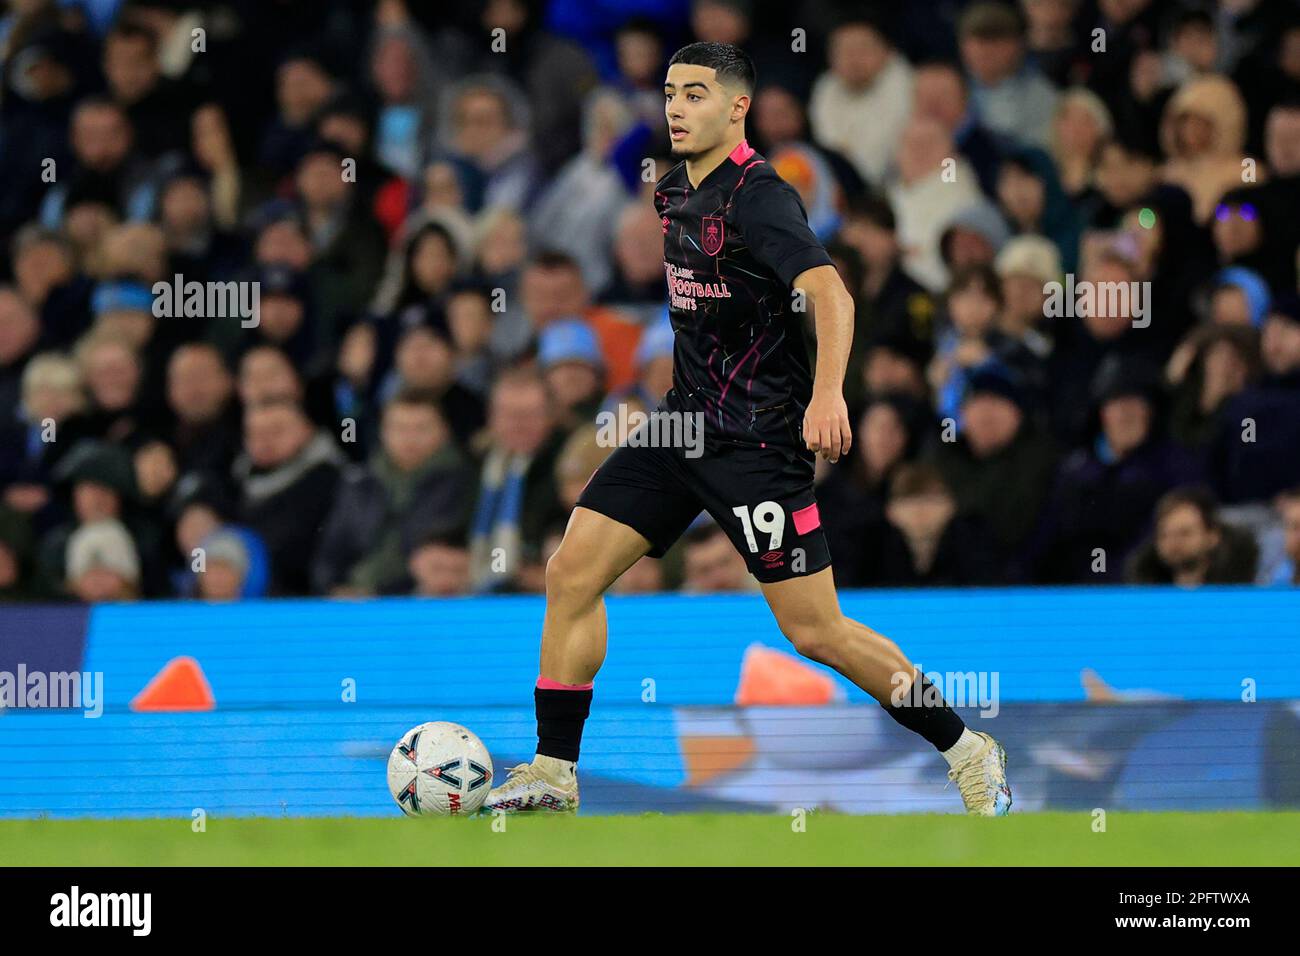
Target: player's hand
[826,425]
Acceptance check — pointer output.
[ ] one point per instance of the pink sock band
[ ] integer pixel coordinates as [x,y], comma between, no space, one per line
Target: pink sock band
[545,683]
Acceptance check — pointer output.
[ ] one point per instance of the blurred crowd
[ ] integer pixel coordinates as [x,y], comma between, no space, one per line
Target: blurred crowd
[447,209]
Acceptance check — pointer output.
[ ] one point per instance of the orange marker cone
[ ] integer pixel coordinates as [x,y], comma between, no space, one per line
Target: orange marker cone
[179,686]
[770,678]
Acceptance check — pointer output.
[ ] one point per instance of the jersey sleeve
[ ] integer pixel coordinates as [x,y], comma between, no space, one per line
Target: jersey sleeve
[772,220]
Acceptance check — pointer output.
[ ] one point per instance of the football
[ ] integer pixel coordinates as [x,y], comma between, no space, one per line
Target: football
[439,769]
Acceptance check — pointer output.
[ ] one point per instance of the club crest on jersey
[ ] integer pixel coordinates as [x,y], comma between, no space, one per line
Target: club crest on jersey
[711,235]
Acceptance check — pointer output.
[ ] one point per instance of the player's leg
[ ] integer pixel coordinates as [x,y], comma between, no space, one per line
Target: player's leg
[593,554]
[632,506]
[763,498]
[807,609]
[595,550]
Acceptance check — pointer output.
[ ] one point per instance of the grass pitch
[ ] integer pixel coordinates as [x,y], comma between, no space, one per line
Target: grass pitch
[1030,839]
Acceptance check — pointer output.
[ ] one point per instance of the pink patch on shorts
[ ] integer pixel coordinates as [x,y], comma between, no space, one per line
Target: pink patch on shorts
[807,519]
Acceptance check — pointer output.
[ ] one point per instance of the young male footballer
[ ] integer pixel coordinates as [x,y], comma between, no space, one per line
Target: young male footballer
[740,262]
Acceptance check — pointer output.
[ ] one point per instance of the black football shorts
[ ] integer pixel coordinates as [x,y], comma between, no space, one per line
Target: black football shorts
[762,497]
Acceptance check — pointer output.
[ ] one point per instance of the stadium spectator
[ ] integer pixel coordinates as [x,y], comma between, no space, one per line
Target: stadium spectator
[635,288]
[114,376]
[199,509]
[1222,361]
[973,236]
[941,94]
[425,359]
[1033,202]
[45,274]
[200,396]
[1166,248]
[1104,493]
[1010,95]
[931,187]
[1256,450]
[417,484]
[15,557]
[102,564]
[1203,134]
[780,117]
[654,370]
[20,334]
[1238,232]
[889,300]
[517,499]
[213,150]
[94,482]
[1288,506]
[234,565]
[52,400]
[1000,466]
[1127,170]
[553,289]
[644,577]
[1051,43]
[348,245]
[286,319]
[1084,341]
[303,85]
[859,106]
[577,213]
[197,246]
[286,478]
[582,453]
[711,563]
[890,433]
[1081,127]
[1025,267]
[896,363]
[925,542]
[556,72]
[439,566]
[406,76]
[486,134]
[102,142]
[136,84]
[570,361]
[1192,547]
[470,321]
[973,305]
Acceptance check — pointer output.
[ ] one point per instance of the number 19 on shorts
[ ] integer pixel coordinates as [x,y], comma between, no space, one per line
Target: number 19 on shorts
[768,517]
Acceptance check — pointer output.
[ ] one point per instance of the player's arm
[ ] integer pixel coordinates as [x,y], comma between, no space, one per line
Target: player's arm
[826,422]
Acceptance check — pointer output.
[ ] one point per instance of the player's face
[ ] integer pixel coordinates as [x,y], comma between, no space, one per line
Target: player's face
[699,109]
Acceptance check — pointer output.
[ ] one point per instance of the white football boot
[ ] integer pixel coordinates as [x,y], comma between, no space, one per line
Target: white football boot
[982,780]
[546,784]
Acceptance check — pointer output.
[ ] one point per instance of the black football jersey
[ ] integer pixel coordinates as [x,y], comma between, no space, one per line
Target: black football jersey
[732,249]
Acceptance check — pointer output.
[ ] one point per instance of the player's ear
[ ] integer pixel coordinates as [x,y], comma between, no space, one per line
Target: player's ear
[740,107]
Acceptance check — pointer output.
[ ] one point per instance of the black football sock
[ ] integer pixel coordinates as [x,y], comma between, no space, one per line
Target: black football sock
[561,712]
[923,710]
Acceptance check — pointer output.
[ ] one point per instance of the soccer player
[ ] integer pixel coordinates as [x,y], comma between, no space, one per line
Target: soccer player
[742,267]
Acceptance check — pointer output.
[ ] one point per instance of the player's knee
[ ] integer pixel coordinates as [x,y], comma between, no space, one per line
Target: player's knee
[569,579]
[812,638]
